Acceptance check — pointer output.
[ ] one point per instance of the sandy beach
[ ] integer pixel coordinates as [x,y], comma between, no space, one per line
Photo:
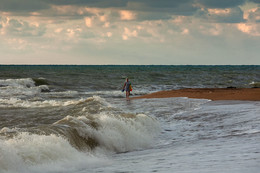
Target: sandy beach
[249,94]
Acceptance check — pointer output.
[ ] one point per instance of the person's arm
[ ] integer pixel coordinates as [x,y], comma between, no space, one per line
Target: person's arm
[124,87]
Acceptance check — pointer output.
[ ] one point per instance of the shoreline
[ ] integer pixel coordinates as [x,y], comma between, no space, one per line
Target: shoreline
[214,94]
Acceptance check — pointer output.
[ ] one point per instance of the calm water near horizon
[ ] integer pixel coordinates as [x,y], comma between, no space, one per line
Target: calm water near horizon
[75,119]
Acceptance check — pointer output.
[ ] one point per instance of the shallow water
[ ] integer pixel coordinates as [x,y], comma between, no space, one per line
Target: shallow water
[212,137]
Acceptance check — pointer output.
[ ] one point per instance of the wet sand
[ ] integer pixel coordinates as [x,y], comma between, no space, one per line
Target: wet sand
[249,94]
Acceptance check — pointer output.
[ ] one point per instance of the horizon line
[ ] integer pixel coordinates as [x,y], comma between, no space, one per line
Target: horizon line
[129,64]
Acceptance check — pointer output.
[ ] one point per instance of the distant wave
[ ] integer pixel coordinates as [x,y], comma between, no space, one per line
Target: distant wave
[40,81]
[255,84]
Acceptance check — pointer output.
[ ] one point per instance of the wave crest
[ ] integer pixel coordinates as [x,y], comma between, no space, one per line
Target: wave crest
[112,132]
[91,126]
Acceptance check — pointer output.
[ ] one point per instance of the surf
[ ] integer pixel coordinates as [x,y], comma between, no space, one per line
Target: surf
[90,128]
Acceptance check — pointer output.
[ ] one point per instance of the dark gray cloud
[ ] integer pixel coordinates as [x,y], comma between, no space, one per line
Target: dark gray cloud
[33,5]
[221,3]
[145,9]
[152,4]
[22,5]
[234,16]
[163,3]
[120,3]
[149,9]
[171,7]
[231,15]
[175,6]
[23,28]
[160,10]
[255,1]
[90,3]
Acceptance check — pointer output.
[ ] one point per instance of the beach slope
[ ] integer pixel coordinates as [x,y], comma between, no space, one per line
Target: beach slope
[250,94]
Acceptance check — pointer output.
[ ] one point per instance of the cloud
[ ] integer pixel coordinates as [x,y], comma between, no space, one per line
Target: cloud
[14,27]
[1,25]
[185,31]
[139,10]
[121,3]
[255,1]
[227,15]
[249,28]
[156,15]
[22,5]
[127,15]
[220,3]
[165,4]
[128,33]
[88,22]
[90,3]
[154,9]
[253,15]
[80,7]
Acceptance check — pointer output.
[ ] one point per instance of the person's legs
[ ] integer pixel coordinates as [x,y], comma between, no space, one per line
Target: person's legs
[127,94]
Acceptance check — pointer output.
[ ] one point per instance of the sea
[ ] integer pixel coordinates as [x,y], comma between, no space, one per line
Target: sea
[76,119]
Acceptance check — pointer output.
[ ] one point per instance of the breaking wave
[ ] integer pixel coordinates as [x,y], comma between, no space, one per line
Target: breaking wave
[21,88]
[91,127]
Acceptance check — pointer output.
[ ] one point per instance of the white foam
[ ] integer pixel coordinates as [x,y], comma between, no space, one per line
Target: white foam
[27,153]
[20,88]
[38,153]
[118,93]
[25,103]
[254,84]
[25,82]
[8,130]
[117,133]
[17,102]
[62,94]
[127,134]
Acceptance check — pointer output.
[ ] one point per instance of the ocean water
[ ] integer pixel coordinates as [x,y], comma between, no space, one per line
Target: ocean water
[75,119]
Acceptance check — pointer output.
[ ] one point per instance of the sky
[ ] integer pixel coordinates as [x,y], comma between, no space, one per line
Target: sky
[141,32]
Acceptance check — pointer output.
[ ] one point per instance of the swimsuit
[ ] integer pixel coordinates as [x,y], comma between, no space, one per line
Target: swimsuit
[127,86]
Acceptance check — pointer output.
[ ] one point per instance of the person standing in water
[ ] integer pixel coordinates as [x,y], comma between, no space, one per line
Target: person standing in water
[127,87]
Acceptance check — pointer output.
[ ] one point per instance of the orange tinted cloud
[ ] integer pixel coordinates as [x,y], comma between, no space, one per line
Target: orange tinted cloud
[127,15]
[251,29]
